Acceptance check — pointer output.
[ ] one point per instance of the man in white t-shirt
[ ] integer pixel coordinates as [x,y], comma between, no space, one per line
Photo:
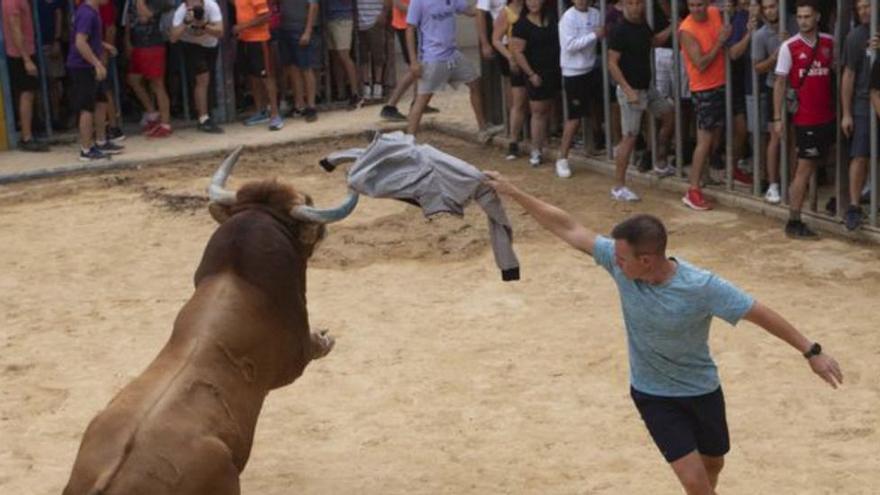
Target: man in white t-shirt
[199,25]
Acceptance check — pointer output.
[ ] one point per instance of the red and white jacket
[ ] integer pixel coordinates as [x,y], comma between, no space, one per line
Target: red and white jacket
[815,98]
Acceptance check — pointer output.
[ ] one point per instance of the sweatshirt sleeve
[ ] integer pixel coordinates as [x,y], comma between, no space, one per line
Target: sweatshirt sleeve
[500,233]
[569,41]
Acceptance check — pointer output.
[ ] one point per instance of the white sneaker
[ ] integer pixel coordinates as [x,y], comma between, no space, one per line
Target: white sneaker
[624,194]
[535,158]
[377,91]
[368,92]
[663,170]
[563,171]
[772,195]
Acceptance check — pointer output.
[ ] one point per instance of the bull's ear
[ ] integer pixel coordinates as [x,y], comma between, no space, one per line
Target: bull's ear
[219,212]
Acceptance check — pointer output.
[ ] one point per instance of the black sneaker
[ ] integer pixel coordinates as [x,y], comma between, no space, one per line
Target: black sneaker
[355,102]
[853,218]
[115,135]
[392,113]
[796,229]
[430,109]
[33,145]
[512,151]
[210,127]
[91,155]
[310,114]
[294,113]
[109,148]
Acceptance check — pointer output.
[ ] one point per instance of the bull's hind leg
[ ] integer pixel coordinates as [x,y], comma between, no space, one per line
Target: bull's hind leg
[322,344]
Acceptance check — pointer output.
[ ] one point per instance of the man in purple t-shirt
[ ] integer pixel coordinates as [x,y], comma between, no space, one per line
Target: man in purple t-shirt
[439,62]
[87,75]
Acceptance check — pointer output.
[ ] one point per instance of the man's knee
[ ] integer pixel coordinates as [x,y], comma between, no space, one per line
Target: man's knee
[713,465]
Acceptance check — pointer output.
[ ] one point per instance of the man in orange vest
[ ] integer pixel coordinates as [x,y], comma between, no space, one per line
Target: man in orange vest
[703,36]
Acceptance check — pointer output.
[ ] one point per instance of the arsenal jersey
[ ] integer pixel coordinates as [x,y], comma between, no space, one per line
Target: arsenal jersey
[815,98]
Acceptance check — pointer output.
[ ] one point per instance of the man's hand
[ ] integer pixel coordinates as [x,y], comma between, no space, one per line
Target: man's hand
[189,17]
[499,183]
[111,49]
[827,368]
[632,96]
[305,39]
[777,126]
[100,72]
[874,43]
[600,32]
[416,69]
[725,34]
[846,125]
[536,80]
[486,51]
[30,67]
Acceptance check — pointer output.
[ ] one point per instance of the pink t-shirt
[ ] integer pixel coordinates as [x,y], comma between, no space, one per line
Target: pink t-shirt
[26,18]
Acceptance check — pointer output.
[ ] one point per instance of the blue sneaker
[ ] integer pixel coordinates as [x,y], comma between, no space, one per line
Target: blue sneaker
[92,154]
[257,118]
[276,124]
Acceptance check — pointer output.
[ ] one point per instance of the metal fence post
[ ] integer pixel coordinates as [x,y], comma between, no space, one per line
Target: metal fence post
[652,122]
[757,132]
[676,90]
[606,97]
[783,138]
[41,65]
[872,164]
[9,103]
[728,107]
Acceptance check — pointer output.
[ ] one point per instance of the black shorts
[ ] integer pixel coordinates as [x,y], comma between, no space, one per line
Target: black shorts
[86,91]
[580,93]
[258,58]
[814,141]
[709,107]
[681,425]
[18,76]
[549,88]
[199,59]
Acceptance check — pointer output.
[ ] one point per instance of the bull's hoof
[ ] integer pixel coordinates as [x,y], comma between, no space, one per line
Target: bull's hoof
[322,344]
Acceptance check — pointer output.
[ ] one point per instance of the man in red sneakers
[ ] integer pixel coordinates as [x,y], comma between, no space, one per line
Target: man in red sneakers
[806,60]
[145,46]
[703,36]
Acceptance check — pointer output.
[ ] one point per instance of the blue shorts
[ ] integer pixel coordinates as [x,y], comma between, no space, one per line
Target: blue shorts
[681,425]
[860,143]
[304,57]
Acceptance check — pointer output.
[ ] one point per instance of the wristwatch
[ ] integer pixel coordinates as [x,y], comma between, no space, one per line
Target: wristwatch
[814,350]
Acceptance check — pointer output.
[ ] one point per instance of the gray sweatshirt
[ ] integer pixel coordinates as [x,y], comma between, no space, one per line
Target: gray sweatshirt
[394,166]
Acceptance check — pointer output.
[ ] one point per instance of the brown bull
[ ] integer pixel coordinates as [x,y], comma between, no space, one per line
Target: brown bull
[186,424]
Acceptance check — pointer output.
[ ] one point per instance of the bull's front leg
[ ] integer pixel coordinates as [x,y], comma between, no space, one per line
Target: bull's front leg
[322,344]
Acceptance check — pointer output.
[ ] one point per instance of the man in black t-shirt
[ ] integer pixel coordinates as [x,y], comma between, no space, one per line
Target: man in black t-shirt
[629,63]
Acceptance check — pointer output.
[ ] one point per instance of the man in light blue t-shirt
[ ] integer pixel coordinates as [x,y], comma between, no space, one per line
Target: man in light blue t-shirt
[438,61]
[668,305]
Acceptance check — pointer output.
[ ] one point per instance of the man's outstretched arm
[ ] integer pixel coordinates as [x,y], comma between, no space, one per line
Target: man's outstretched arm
[823,365]
[554,219]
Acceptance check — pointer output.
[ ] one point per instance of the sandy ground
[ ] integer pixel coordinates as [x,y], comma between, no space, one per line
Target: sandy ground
[444,379]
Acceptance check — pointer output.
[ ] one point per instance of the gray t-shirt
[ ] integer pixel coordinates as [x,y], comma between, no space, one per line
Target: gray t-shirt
[766,41]
[295,13]
[855,57]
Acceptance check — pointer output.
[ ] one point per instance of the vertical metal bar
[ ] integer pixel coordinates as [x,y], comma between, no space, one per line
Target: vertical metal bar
[783,114]
[326,68]
[676,90]
[652,122]
[728,109]
[224,75]
[606,97]
[9,104]
[841,178]
[757,132]
[559,11]
[41,61]
[872,163]
[117,98]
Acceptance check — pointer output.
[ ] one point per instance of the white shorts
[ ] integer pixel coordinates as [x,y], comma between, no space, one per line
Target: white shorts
[454,71]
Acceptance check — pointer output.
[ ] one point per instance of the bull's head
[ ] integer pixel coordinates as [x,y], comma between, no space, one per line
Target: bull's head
[297,207]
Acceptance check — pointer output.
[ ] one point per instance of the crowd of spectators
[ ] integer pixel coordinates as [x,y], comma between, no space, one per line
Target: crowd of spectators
[281,45]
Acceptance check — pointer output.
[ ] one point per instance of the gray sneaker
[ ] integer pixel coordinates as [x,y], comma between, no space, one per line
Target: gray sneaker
[276,124]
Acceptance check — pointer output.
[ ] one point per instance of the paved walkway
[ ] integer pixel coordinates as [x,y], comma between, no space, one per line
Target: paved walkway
[19,165]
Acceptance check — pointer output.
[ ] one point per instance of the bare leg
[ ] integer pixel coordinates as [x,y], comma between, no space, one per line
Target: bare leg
[100,117]
[798,191]
[568,132]
[272,94]
[858,173]
[415,113]
[299,94]
[350,70]
[86,130]
[136,83]
[517,112]
[713,466]
[540,114]
[402,85]
[477,103]
[773,157]
[621,161]
[692,474]
[158,87]
[701,155]
[310,86]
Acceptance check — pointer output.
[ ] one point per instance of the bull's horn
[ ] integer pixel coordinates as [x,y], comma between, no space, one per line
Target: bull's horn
[315,215]
[216,191]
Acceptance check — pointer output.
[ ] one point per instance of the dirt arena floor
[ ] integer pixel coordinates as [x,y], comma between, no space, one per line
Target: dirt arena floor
[444,380]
